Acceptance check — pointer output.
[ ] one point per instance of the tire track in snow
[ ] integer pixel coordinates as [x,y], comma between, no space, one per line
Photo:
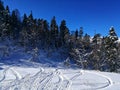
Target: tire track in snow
[110,82]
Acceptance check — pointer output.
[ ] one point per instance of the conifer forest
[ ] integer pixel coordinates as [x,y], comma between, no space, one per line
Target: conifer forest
[87,52]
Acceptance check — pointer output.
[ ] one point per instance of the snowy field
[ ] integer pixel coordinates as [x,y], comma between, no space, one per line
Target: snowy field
[48,78]
[18,72]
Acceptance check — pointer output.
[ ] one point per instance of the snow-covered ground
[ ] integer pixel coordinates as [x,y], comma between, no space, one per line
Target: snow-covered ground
[49,78]
[18,72]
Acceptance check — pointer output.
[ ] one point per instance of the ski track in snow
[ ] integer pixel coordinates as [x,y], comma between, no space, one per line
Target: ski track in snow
[109,81]
[50,80]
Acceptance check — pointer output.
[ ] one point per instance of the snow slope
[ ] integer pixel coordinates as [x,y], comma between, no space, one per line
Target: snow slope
[49,78]
[18,72]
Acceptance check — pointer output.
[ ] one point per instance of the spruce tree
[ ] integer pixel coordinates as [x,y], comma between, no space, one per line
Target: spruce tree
[1,6]
[95,53]
[54,32]
[64,32]
[2,22]
[111,50]
[86,42]
[81,32]
[23,33]
[47,35]
[7,21]
[15,24]
[76,34]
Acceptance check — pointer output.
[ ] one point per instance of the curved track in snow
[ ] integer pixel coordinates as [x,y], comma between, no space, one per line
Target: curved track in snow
[108,82]
[55,79]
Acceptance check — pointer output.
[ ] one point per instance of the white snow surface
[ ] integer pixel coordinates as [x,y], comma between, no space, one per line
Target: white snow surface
[49,78]
[18,72]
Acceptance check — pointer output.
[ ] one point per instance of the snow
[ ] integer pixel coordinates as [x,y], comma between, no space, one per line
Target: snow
[51,78]
[18,72]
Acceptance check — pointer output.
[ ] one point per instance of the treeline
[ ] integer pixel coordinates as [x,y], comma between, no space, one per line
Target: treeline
[99,53]
[30,31]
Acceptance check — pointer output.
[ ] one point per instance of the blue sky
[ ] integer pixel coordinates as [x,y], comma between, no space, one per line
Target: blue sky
[92,15]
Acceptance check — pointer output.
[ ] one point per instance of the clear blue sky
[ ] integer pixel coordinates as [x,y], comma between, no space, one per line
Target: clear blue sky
[92,15]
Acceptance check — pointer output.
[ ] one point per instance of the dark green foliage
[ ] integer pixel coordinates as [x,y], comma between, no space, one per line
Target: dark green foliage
[24,23]
[86,42]
[15,24]
[95,53]
[54,32]
[76,34]
[1,6]
[100,53]
[81,32]
[7,21]
[111,50]
[4,21]
[64,32]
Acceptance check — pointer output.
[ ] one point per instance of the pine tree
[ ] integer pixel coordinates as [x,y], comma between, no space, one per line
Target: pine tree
[47,35]
[35,55]
[7,22]
[24,22]
[23,33]
[78,55]
[118,62]
[64,32]
[54,32]
[81,32]
[95,53]
[103,62]
[67,62]
[34,34]
[86,42]
[30,20]
[15,24]
[42,31]
[1,6]
[2,22]
[76,34]
[111,50]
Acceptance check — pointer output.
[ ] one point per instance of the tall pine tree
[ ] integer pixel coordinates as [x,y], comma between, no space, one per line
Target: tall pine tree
[64,32]
[54,32]
[111,50]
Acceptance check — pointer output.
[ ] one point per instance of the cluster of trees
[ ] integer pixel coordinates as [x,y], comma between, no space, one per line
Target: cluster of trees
[100,53]
[30,31]
[10,24]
